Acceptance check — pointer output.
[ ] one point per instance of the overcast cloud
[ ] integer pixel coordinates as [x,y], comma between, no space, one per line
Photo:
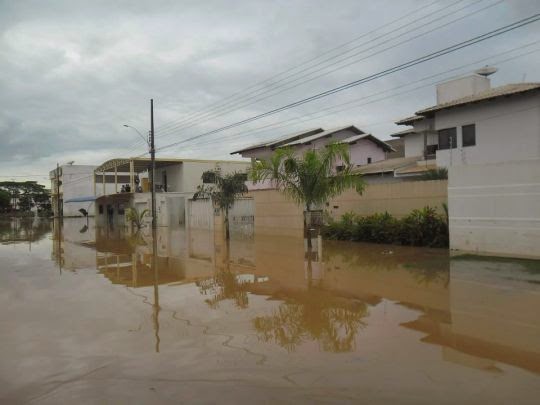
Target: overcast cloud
[72,73]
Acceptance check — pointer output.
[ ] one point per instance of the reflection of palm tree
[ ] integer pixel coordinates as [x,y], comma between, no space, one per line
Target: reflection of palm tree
[313,315]
[228,287]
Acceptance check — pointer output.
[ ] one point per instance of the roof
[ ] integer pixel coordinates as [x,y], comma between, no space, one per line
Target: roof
[415,169]
[389,165]
[281,140]
[141,164]
[353,139]
[496,92]
[323,134]
[403,133]
[409,120]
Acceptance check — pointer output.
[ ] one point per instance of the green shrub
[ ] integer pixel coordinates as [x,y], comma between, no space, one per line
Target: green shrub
[440,173]
[423,227]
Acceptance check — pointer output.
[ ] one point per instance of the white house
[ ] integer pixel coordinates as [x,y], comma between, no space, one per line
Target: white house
[489,139]
[364,148]
[124,183]
[72,188]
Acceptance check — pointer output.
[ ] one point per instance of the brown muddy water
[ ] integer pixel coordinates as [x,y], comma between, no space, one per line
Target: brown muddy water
[86,318]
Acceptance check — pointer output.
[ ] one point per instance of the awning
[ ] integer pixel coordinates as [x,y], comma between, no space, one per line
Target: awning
[81,199]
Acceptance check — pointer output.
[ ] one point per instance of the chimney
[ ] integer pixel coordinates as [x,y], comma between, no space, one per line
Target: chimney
[465,86]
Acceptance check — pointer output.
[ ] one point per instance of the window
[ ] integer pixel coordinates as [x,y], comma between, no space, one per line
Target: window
[468,133]
[368,160]
[101,209]
[209,177]
[446,136]
[121,209]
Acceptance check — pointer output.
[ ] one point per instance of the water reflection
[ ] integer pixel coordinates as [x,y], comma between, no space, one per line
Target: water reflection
[313,315]
[23,230]
[476,311]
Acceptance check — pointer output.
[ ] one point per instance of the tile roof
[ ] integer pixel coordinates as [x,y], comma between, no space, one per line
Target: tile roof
[281,140]
[388,165]
[352,139]
[328,132]
[403,133]
[409,120]
[496,92]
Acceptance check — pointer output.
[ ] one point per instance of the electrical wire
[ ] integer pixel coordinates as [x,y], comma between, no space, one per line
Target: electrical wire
[372,44]
[394,69]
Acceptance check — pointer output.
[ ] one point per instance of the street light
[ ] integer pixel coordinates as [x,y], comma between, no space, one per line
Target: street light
[138,132]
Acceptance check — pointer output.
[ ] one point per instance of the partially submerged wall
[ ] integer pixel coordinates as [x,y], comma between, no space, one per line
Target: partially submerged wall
[275,214]
[398,199]
[495,208]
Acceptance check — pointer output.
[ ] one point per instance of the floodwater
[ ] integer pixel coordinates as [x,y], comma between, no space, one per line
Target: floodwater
[89,315]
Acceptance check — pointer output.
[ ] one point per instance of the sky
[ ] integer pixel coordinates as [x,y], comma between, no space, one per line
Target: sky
[72,73]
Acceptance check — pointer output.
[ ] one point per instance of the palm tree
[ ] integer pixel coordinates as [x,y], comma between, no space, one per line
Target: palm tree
[312,178]
[223,190]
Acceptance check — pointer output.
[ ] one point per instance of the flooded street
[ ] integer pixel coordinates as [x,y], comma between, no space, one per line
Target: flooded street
[86,318]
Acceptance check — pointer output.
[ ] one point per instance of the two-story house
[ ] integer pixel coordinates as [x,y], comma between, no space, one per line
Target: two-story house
[489,140]
[474,123]
[364,148]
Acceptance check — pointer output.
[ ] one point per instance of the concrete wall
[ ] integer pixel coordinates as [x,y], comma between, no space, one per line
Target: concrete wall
[275,214]
[462,87]
[495,208]
[414,145]
[398,199]
[506,129]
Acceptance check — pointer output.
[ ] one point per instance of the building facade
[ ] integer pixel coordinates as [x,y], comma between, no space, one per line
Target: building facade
[489,140]
[72,189]
[124,183]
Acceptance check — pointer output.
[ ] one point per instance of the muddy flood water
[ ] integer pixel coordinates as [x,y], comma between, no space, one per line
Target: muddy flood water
[89,315]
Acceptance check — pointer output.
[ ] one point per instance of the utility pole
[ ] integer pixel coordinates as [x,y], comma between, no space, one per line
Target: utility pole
[57,190]
[153,160]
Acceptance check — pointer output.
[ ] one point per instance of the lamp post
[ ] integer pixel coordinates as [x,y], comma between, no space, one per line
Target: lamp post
[139,133]
[152,150]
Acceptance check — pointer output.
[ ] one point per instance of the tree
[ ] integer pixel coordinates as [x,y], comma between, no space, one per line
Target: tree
[28,194]
[223,190]
[312,178]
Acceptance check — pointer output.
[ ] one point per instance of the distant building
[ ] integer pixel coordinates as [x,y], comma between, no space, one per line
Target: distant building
[364,148]
[72,188]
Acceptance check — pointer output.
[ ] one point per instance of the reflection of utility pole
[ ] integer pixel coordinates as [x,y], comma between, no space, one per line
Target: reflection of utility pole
[57,190]
[153,159]
[155,307]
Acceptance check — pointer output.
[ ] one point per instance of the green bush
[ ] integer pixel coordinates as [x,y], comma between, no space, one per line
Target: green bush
[423,227]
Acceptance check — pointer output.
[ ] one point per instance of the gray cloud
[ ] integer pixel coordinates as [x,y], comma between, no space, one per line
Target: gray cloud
[73,72]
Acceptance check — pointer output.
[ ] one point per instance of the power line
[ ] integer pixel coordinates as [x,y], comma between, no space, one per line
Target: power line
[269,79]
[403,66]
[279,125]
[355,102]
[237,104]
